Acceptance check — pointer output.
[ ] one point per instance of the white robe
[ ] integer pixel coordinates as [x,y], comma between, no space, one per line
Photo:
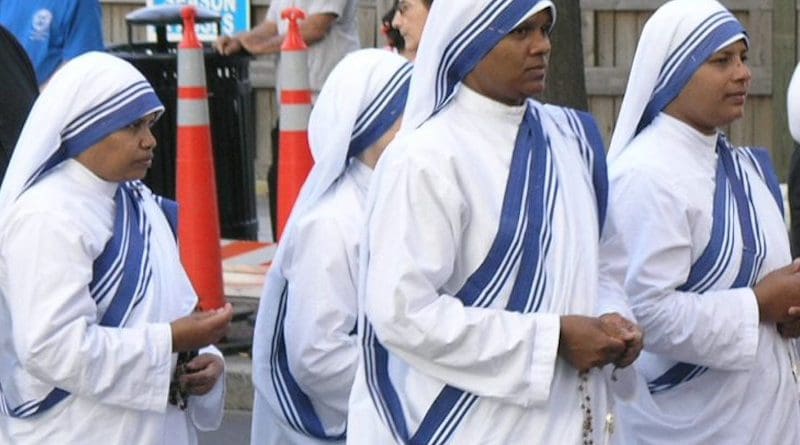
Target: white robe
[439,193]
[118,377]
[662,193]
[321,310]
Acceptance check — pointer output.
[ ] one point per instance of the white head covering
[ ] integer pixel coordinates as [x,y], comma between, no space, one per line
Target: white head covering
[361,99]
[679,38]
[793,104]
[89,98]
[458,35]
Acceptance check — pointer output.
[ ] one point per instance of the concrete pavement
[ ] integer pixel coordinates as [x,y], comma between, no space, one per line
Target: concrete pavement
[235,430]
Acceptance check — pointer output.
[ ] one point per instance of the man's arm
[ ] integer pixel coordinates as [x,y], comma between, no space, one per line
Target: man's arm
[264,38]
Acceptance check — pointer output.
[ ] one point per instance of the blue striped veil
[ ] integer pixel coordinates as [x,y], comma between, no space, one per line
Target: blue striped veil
[454,40]
[361,100]
[89,98]
[679,38]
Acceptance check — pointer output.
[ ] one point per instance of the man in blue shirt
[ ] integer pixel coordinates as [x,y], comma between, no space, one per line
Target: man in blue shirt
[54,31]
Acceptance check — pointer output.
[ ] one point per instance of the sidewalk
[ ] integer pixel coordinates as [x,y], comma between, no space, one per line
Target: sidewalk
[244,265]
[238,383]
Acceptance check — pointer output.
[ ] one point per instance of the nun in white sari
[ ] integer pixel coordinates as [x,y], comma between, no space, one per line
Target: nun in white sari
[485,215]
[90,278]
[699,224]
[305,347]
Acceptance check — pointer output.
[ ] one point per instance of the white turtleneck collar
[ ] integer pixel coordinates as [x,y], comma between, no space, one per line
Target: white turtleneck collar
[687,136]
[79,173]
[473,101]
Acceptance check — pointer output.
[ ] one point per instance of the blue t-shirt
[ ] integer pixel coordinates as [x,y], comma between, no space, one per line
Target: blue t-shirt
[54,31]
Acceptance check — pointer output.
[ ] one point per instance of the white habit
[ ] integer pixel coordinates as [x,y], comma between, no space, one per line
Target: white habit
[50,236]
[662,195]
[305,346]
[694,223]
[437,201]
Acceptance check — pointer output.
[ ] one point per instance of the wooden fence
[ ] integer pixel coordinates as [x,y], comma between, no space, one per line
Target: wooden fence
[610,30]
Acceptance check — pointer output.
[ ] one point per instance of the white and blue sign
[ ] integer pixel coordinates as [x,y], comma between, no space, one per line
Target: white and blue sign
[234,14]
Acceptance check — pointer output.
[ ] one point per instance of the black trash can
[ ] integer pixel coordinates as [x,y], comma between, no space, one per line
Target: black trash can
[231,111]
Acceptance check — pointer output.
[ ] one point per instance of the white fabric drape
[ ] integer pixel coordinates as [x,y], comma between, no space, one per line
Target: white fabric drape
[56,218]
[310,292]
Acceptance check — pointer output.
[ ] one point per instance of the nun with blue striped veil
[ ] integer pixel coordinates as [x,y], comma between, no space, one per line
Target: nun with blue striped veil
[698,221]
[94,302]
[480,279]
[305,347]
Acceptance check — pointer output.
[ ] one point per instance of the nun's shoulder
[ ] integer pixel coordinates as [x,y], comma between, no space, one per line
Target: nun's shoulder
[571,121]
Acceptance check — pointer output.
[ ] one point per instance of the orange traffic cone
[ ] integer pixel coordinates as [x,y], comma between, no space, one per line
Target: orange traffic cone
[295,161]
[198,217]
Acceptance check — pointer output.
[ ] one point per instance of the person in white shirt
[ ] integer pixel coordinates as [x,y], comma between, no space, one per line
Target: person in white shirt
[696,225]
[480,275]
[94,302]
[305,347]
[330,31]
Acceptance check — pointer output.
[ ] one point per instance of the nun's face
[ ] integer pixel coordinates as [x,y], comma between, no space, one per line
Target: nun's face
[715,95]
[124,155]
[409,20]
[515,69]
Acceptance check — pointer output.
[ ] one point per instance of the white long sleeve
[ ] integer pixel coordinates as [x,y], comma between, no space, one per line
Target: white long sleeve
[717,328]
[207,411]
[321,307]
[611,296]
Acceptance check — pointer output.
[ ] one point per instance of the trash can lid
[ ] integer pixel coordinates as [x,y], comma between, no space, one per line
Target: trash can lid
[168,15]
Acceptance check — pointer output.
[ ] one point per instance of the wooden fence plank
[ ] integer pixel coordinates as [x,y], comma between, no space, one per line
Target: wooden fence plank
[626,35]
[603,109]
[588,37]
[604,38]
[611,81]
[367,32]
[763,124]
[760,30]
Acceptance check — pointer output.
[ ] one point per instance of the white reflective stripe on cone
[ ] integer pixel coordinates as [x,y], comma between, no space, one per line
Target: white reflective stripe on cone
[191,68]
[294,117]
[294,70]
[192,112]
